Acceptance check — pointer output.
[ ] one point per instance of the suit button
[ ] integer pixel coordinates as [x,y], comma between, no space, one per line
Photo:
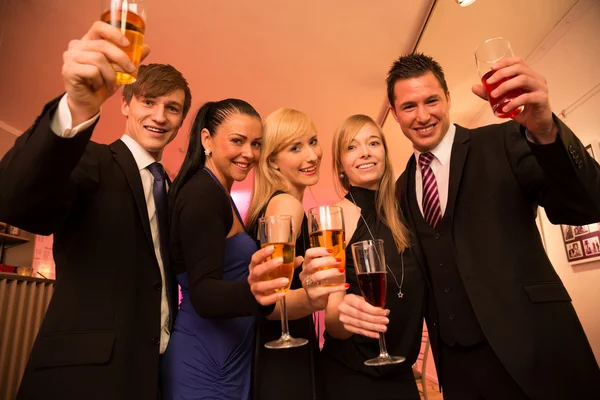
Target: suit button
[452,316]
[437,236]
[448,290]
[156,340]
[441,264]
[158,285]
[571,149]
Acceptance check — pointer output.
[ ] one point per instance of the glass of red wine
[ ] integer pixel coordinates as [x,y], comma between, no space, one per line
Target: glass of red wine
[488,53]
[371,271]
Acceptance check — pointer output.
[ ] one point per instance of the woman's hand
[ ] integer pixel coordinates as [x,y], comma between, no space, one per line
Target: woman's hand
[260,264]
[361,318]
[315,259]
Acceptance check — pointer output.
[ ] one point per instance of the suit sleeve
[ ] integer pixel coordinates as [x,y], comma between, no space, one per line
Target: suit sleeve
[36,183]
[204,218]
[561,177]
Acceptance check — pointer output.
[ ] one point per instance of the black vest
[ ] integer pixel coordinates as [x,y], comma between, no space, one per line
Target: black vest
[457,320]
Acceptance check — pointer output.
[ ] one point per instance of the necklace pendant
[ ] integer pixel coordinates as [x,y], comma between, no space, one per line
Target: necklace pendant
[400,294]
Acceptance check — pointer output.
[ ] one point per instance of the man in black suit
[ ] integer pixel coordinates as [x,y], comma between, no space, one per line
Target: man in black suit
[114,299]
[500,321]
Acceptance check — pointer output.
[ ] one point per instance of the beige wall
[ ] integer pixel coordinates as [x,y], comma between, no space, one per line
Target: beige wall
[570,63]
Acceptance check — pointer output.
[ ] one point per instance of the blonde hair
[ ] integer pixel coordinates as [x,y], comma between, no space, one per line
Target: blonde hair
[281,128]
[387,206]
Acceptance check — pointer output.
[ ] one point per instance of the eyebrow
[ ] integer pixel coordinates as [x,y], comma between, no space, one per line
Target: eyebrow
[412,102]
[243,136]
[174,103]
[369,138]
[168,103]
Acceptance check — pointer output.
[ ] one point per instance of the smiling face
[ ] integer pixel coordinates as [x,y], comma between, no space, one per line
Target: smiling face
[153,122]
[235,147]
[299,161]
[422,110]
[363,160]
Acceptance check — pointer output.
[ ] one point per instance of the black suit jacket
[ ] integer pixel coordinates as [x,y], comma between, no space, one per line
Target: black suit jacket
[497,180]
[100,336]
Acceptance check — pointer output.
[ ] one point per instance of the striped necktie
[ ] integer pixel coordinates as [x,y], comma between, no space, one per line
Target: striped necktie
[432,211]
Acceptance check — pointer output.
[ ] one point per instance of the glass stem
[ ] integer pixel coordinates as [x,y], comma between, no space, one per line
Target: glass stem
[285,329]
[382,347]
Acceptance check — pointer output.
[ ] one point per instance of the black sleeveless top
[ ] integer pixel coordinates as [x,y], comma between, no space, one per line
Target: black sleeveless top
[289,373]
[403,337]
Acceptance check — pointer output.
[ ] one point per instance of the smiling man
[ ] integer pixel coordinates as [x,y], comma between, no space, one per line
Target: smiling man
[500,320]
[114,300]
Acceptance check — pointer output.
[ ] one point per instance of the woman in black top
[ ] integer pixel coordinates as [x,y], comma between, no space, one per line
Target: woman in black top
[365,173]
[289,163]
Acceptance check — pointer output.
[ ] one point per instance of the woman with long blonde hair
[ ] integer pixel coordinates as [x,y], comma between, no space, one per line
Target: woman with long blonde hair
[364,176]
[289,163]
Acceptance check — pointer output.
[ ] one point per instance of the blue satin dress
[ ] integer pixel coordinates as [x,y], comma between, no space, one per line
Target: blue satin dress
[212,358]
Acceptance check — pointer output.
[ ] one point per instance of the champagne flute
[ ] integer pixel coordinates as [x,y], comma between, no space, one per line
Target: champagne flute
[326,229]
[277,231]
[488,53]
[371,271]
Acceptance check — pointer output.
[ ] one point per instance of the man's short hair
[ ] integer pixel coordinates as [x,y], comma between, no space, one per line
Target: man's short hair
[413,66]
[154,80]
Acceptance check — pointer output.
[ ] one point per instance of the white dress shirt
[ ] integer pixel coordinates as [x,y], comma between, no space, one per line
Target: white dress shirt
[440,165]
[61,125]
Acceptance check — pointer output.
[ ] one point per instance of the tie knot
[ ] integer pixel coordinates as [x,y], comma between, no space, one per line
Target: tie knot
[425,159]
[157,170]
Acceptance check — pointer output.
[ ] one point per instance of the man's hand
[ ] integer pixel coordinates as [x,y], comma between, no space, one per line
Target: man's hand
[537,114]
[87,72]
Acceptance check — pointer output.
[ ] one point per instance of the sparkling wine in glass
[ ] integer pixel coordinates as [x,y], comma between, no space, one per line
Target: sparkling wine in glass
[488,53]
[277,231]
[371,270]
[326,229]
[130,16]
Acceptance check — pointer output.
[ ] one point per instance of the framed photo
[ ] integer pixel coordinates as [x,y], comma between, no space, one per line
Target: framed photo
[582,243]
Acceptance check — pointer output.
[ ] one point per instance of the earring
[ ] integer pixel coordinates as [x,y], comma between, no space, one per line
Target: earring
[207,152]
[342,176]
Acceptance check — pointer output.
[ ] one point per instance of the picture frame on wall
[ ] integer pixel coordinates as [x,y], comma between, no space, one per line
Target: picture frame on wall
[582,243]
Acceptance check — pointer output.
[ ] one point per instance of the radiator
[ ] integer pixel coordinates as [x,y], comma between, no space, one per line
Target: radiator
[23,303]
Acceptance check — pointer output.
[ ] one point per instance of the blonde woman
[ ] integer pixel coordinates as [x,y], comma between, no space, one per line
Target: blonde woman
[365,177]
[288,164]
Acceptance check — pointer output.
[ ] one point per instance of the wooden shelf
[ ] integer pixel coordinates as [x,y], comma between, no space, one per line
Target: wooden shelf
[12,240]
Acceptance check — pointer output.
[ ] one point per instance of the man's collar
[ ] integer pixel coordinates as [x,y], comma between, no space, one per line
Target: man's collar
[141,156]
[444,148]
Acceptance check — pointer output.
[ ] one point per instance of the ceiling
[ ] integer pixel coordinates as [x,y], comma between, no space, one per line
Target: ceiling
[326,58]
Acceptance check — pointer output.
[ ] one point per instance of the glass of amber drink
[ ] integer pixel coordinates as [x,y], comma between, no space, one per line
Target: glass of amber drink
[130,17]
[277,231]
[326,229]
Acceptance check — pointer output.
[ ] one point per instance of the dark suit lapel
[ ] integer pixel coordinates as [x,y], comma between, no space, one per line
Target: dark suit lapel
[460,149]
[125,159]
[403,192]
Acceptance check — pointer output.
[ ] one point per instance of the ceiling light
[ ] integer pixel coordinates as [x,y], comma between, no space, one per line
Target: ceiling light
[464,3]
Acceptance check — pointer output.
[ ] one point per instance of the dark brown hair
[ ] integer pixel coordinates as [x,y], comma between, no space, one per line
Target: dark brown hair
[413,66]
[154,80]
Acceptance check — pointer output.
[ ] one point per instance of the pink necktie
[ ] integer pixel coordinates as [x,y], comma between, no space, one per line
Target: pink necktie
[431,199]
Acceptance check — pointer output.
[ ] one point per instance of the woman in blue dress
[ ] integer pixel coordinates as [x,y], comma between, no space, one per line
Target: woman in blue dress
[210,349]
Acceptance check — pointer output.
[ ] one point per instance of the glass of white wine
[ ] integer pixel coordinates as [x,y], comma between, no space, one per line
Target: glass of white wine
[326,229]
[277,231]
